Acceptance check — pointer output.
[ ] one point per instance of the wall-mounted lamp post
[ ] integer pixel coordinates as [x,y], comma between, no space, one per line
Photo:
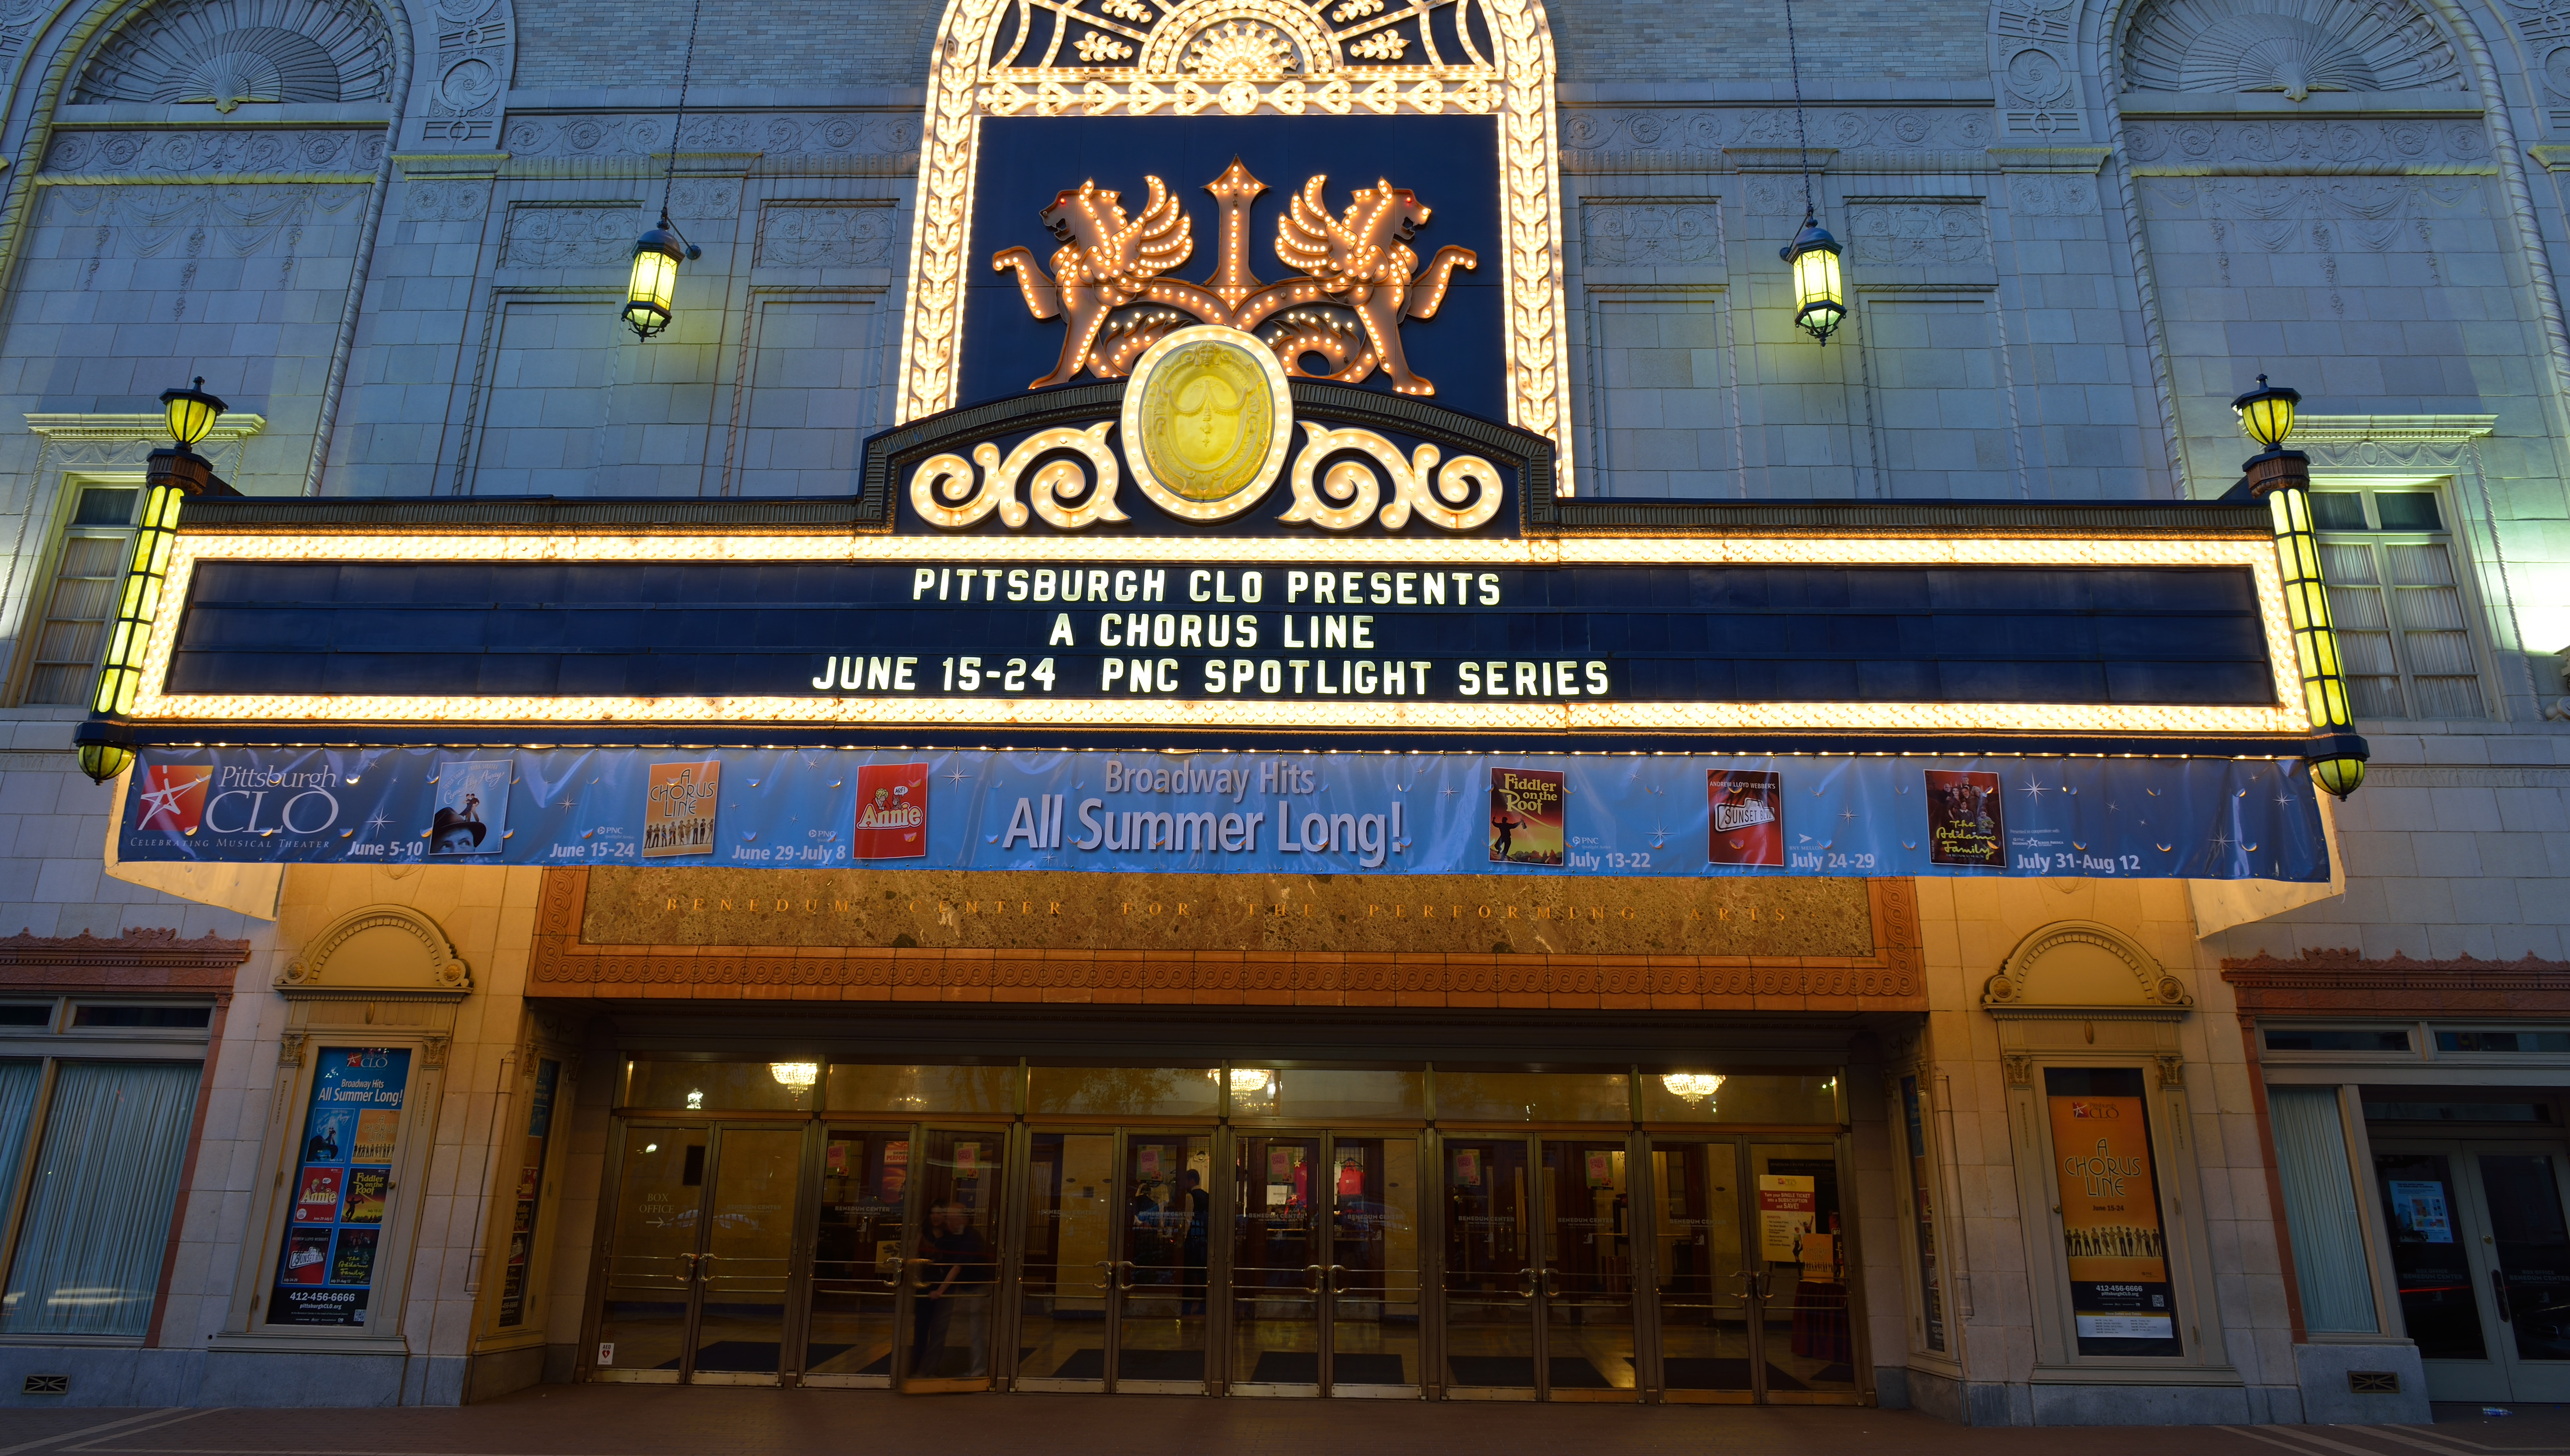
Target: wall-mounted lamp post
[2282,479]
[169,477]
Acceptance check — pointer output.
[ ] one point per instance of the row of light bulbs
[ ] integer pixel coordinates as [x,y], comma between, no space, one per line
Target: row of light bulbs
[1694,1087]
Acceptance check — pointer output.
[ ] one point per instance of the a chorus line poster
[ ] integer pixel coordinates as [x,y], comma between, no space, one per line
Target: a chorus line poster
[2121,1298]
[1240,813]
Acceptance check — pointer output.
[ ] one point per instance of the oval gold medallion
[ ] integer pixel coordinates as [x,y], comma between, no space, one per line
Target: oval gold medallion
[1208,416]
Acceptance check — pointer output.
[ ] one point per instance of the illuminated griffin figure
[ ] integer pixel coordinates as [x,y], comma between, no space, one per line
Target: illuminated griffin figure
[1363,261]
[1105,262]
[1359,279]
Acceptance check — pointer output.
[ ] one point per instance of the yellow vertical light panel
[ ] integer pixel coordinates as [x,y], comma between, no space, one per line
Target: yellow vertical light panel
[138,601]
[2298,558]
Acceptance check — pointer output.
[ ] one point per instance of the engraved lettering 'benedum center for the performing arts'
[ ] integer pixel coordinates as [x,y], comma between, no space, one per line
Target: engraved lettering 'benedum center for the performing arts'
[1100,615]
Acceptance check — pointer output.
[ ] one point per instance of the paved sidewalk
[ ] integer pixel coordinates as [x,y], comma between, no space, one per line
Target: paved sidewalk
[629,1420]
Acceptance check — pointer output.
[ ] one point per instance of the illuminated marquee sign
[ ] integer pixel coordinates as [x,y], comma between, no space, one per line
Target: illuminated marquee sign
[1338,143]
[1212,546]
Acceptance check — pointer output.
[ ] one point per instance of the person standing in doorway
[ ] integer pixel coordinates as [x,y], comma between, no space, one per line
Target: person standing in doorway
[932,1307]
[1198,1206]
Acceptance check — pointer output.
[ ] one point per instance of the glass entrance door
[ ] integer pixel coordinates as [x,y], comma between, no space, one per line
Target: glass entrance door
[1325,1269]
[1749,1272]
[857,1255]
[2481,1255]
[1539,1278]
[1704,1283]
[1584,1291]
[1799,1307]
[949,1275]
[1113,1286]
[698,1267]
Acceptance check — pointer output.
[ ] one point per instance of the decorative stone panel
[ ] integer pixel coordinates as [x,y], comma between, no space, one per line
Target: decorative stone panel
[230,52]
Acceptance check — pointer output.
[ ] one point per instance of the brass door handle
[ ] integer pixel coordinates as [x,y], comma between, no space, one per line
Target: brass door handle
[1312,1279]
[1107,1282]
[704,1269]
[1526,1282]
[1332,1277]
[1124,1275]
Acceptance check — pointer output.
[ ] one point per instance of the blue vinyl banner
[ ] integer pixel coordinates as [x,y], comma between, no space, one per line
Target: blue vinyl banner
[1232,813]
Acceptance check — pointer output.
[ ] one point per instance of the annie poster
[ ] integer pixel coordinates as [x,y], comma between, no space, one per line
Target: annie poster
[892,812]
[2121,1298]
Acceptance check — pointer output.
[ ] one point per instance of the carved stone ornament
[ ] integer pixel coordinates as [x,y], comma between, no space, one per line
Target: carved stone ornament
[2294,46]
[1274,57]
[290,1050]
[384,947]
[2017,1069]
[230,52]
[2079,964]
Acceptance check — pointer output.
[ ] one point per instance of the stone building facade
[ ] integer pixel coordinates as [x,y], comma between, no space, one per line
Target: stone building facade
[393,238]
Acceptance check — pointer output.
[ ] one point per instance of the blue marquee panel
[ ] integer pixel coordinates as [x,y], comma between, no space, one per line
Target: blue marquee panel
[1233,813]
[2129,635]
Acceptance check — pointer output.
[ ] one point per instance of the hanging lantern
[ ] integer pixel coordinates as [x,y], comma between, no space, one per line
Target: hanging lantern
[648,294]
[1820,296]
[2283,477]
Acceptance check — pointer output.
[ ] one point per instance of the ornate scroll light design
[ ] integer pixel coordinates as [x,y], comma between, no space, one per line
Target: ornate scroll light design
[945,493]
[1463,493]
[995,58]
[1359,278]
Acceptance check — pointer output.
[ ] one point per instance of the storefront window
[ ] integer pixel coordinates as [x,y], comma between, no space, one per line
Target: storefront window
[913,1091]
[1759,1098]
[98,1213]
[1534,1096]
[2121,1296]
[722,1086]
[1124,1091]
[343,1189]
[2320,1210]
[1314,1094]
[1922,1214]
[528,1199]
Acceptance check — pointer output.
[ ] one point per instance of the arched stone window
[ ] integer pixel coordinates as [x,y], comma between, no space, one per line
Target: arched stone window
[227,52]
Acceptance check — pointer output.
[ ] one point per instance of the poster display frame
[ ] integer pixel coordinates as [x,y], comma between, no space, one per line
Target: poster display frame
[305,1040]
[2039,1041]
[507,1168]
